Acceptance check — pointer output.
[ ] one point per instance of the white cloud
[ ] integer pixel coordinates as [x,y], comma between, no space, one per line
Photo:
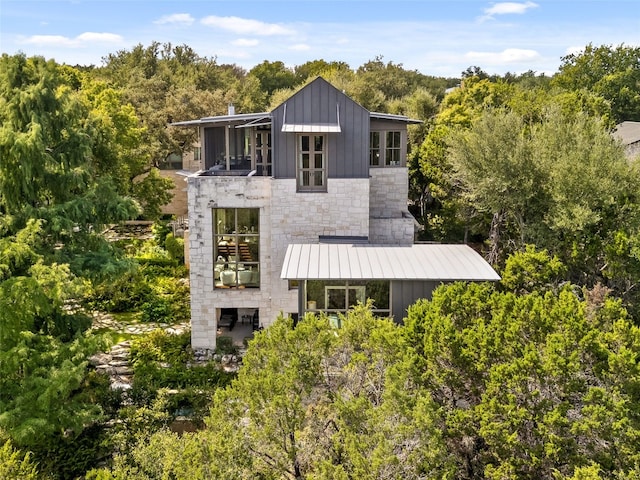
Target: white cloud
[245,42]
[99,37]
[246,26]
[176,18]
[80,40]
[507,8]
[509,55]
[300,47]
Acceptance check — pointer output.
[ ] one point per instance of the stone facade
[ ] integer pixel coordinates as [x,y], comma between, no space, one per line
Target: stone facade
[286,216]
[390,221]
[206,193]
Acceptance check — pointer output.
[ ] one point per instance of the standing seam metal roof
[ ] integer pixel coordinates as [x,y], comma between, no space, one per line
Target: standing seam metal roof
[383,262]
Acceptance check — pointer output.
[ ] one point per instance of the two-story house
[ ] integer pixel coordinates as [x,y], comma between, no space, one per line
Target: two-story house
[305,209]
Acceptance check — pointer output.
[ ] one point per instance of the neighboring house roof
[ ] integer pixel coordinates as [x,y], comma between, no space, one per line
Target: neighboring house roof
[628,132]
[383,262]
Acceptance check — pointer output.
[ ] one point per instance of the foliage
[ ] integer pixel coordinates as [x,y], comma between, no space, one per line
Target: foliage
[43,356]
[309,402]
[15,465]
[153,191]
[563,185]
[175,247]
[163,360]
[48,169]
[611,72]
[530,386]
[532,271]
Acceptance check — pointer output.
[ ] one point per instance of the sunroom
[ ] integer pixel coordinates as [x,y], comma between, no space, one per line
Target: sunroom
[332,278]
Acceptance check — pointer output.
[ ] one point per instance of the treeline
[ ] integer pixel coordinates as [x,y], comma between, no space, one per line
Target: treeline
[534,378]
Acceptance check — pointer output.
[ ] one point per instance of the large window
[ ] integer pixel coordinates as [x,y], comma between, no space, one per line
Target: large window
[385,149]
[336,297]
[236,247]
[312,166]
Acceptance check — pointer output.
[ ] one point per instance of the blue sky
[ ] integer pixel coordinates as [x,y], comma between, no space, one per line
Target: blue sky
[435,37]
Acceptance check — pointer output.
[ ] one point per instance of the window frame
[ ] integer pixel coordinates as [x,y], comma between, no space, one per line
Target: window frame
[312,153]
[318,300]
[232,259]
[387,147]
[263,152]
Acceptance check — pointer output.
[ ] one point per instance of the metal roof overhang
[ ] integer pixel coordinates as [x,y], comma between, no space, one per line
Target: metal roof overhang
[244,119]
[383,262]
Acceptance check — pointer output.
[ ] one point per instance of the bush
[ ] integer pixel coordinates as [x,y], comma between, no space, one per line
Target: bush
[175,247]
[123,294]
[157,310]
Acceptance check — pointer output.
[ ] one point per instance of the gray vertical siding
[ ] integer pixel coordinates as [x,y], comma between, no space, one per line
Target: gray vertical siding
[347,152]
[406,293]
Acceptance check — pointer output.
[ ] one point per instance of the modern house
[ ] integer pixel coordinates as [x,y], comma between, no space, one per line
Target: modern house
[305,209]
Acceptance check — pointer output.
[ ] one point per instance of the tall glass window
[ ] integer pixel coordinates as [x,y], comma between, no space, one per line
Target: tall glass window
[236,247]
[392,153]
[312,168]
[263,152]
[374,149]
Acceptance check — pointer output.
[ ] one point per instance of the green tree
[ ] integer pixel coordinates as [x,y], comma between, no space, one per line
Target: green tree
[610,72]
[43,355]
[48,167]
[562,184]
[309,402]
[530,386]
[273,76]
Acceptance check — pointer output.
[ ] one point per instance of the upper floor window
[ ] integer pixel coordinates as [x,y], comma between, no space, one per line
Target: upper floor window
[374,149]
[263,152]
[392,153]
[385,149]
[236,249]
[312,163]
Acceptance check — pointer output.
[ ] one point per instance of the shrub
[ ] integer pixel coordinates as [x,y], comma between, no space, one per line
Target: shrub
[158,309]
[175,247]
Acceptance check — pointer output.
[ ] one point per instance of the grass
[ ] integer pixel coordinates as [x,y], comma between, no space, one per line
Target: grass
[113,336]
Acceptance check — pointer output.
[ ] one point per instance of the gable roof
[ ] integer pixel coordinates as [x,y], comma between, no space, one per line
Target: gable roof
[316,120]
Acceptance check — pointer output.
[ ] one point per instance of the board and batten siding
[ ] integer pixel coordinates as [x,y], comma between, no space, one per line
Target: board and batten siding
[347,151]
[405,293]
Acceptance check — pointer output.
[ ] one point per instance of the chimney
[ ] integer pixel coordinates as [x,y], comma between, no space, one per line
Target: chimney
[231,109]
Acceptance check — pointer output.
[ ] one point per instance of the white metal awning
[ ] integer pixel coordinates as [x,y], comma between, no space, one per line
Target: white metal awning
[310,128]
[320,261]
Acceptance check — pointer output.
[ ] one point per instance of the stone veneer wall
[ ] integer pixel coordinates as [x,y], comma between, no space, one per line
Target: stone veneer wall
[301,217]
[206,193]
[390,221]
[285,217]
